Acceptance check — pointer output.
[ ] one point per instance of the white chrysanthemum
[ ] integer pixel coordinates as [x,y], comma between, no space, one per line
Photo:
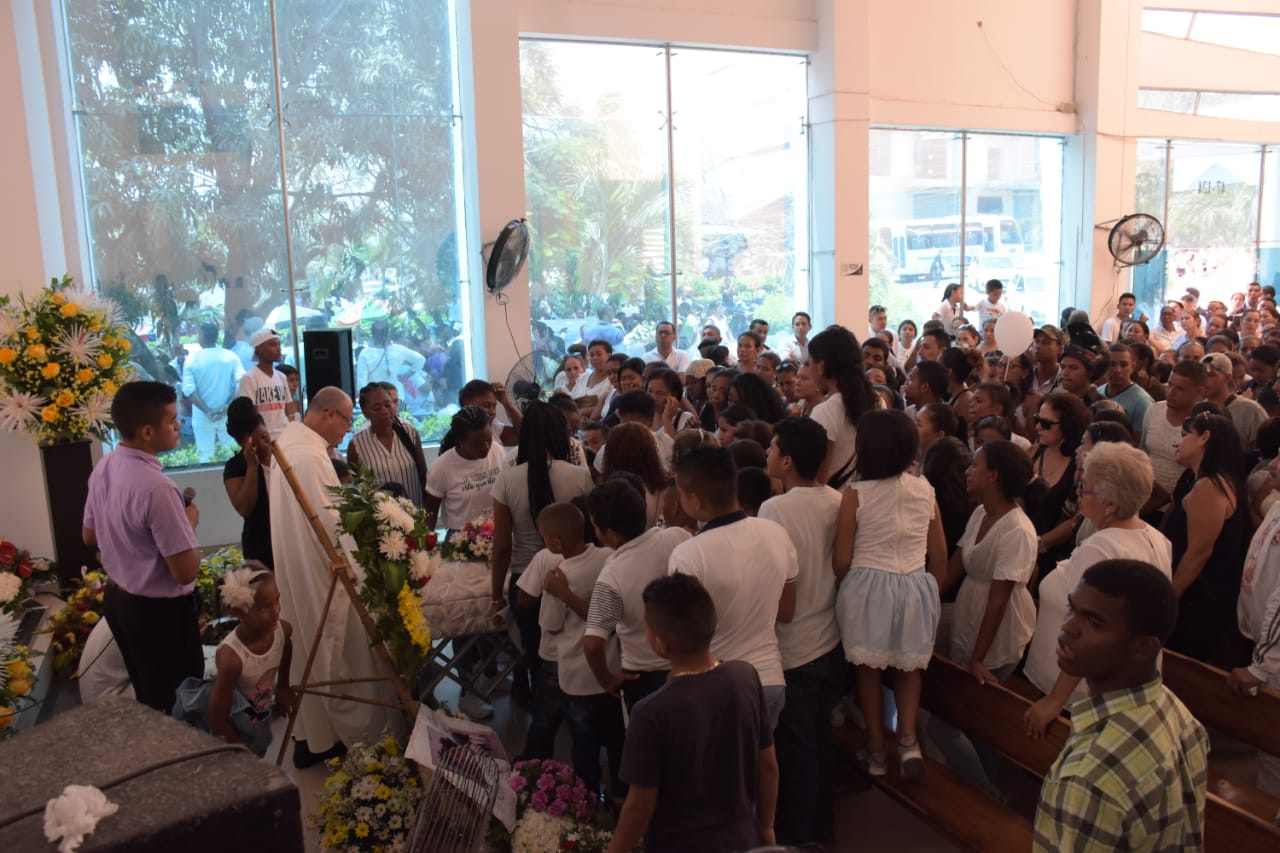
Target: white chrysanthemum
[79,344]
[539,832]
[9,324]
[457,539]
[389,511]
[9,586]
[20,411]
[392,546]
[95,409]
[422,565]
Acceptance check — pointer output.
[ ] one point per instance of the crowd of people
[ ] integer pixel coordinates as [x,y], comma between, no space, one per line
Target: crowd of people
[713,558]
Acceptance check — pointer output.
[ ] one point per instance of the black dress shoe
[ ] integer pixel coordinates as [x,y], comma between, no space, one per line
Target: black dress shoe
[303,757]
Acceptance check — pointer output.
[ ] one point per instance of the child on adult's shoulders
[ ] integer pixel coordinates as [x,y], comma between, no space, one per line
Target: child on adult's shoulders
[699,752]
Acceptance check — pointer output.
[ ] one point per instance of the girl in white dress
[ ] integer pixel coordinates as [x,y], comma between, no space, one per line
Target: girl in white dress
[889,552]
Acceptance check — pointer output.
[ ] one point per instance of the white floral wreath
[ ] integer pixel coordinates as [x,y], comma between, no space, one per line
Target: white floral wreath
[239,586]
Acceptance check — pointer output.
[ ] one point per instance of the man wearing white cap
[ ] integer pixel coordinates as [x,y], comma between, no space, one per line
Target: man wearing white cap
[1219,384]
[267,387]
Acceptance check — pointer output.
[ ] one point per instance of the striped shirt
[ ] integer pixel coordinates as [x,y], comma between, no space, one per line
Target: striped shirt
[395,465]
[1132,776]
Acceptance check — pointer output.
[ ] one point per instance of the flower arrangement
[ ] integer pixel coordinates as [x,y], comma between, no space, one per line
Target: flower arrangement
[472,544]
[19,572]
[213,569]
[63,354]
[72,625]
[369,799]
[17,676]
[397,549]
[554,810]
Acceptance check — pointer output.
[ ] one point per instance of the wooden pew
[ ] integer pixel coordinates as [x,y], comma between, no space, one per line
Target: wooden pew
[965,815]
[993,715]
[1254,720]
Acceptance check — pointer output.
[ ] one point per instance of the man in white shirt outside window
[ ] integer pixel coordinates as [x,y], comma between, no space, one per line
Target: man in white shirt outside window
[267,387]
[210,380]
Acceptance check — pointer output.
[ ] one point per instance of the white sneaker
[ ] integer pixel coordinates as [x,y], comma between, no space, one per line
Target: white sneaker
[475,707]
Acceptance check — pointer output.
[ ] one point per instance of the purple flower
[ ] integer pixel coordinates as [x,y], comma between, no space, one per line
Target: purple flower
[563,792]
[539,801]
[556,809]
[546,782]
[519,783]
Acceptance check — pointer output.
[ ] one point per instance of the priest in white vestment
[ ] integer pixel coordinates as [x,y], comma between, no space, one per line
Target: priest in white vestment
[302,574]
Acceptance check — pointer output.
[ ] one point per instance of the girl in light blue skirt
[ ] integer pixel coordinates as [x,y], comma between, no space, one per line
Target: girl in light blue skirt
[889,553]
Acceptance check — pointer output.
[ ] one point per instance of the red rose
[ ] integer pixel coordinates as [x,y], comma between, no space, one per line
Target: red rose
[81,606]
[432,540]
[411,543]
[25,569]
[8,551]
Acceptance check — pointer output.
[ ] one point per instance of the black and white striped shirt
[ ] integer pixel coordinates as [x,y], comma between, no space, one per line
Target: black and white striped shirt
[395,465]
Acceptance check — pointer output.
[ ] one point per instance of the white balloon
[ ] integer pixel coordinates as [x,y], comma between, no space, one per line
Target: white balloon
[1014,332]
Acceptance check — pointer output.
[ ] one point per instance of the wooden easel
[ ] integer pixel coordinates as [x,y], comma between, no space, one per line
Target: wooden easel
[339,573]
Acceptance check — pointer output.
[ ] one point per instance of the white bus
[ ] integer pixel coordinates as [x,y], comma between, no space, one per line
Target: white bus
[929,249]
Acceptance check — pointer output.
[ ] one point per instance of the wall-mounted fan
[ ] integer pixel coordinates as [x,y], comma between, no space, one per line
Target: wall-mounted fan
[507,255]
[522,384]
[1135,239]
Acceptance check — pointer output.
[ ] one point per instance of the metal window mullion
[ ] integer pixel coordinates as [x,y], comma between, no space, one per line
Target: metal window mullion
[671,188]
[284,191]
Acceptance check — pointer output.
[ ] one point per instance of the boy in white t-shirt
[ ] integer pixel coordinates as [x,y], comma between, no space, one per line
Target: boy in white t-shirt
[812,661]
[267,387]
[639,556]
[748,565]
[992,308]
[594,717]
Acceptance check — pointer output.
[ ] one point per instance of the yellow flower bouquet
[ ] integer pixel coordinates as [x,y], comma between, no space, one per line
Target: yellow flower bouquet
[369,799]
[63,354]
[17,675]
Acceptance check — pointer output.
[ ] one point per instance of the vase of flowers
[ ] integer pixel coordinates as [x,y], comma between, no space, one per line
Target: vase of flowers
[396,547]
[369,799]
[63,354]
[17,675]
[70,627]
[554,811]
[19,573]
[472,543]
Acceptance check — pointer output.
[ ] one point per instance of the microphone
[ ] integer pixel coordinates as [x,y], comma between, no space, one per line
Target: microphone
[188,495]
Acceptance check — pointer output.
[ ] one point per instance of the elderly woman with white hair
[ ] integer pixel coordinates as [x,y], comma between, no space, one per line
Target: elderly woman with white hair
[1117,482]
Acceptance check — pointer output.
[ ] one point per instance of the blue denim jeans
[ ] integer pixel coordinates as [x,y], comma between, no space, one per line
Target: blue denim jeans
[976,763]
[596,721]
[806,759]
[549,706]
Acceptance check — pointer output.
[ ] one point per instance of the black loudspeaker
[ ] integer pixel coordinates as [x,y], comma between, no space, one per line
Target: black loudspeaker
[326,360]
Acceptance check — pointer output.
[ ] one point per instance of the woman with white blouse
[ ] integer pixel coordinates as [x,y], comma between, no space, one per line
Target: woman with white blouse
[1117,482]
[994,615]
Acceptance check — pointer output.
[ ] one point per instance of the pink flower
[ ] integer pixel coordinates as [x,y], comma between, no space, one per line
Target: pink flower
[539,801]
[486,529]
[563,792]
[556,809]
[519,783]
[546,782]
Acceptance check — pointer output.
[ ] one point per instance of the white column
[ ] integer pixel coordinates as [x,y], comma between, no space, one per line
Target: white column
[839,117]
[1107,66]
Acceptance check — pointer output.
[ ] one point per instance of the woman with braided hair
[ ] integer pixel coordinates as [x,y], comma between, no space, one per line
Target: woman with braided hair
[459,483]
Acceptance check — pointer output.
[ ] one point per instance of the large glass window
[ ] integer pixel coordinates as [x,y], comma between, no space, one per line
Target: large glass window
[1002,192]
[180,135]
[608,160]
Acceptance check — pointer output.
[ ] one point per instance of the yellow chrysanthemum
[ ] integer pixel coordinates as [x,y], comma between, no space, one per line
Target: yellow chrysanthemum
[109,387]
[21,687]
[51,370]
[7,355]
[105,360]
[126,344]
[411,615]
[58,298]
[33,334]
[383,792]
[362,830]
[6,716]
[65,399]
[84,375]
[18,669]
[37,352]
[70,309]
[49,414]
[91,618]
